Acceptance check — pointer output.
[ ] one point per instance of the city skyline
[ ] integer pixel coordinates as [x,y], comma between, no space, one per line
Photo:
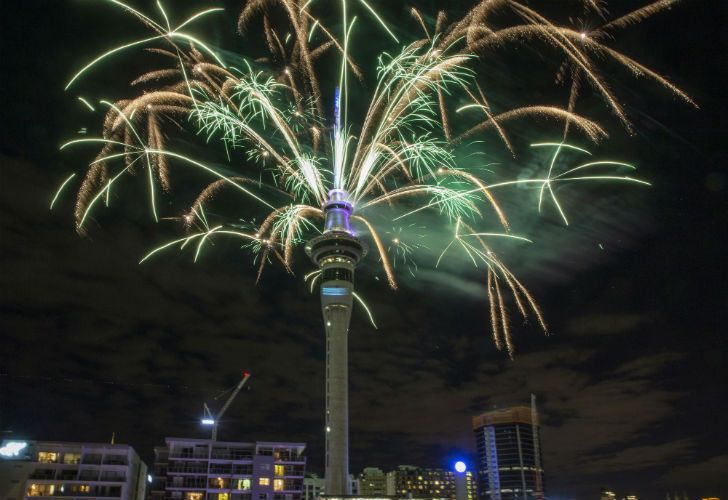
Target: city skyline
[30,468]
[629,384]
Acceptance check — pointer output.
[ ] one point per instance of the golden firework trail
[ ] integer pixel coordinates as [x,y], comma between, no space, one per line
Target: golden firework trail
[402,157]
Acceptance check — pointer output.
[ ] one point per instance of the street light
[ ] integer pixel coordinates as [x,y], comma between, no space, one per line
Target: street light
[461,481]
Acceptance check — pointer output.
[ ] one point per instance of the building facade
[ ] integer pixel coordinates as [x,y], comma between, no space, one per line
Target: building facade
[408,481]
[202,469]
[314,486]
[372,482]
[509,454]
[70,470]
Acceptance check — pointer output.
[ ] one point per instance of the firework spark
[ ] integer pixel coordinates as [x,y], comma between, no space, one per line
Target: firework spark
[401,158]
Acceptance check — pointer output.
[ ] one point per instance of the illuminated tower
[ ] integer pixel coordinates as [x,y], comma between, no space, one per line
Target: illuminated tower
[337,252]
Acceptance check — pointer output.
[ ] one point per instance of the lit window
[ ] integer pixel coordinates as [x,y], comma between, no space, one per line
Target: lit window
[193,495]
[41,490]
[223,496]
[278,484]
[243,484]
[279,470]
[84,488]
[71,458]
[47,457]
[264,481]
[219,482]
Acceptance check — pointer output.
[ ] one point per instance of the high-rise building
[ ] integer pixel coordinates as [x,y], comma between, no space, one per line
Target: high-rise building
[202,469]
[372,482]
[408,481]
[68,470]
[509,454]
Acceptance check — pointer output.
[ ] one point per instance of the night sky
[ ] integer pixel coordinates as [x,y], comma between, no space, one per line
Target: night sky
[631,383]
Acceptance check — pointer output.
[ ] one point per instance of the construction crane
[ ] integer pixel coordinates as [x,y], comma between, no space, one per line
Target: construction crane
[213,420]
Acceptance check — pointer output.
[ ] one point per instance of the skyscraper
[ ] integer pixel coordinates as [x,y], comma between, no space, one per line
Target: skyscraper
[509,454]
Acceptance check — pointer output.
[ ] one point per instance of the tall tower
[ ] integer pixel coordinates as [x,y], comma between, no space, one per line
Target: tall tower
[509,454]
[337,252]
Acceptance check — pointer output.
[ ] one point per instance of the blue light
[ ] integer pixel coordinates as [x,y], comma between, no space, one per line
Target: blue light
[334,291]
[208,421]
[460,466]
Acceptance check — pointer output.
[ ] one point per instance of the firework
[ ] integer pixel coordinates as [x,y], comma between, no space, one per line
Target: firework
[400,158]
[298,161]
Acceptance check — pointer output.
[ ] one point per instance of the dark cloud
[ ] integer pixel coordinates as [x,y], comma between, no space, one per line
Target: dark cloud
[607,323]
[707,476]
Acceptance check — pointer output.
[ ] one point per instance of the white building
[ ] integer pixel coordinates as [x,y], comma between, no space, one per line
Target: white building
[202,469]
[65,470]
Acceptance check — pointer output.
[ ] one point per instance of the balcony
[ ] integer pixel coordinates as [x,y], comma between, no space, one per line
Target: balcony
[113,478]
[179,483]
[243,470]
[187,470]
[115,460]
[44,474]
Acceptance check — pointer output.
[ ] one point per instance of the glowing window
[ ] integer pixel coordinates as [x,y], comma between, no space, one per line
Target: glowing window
[264,481]
[223,496]
[194,495]
[279,470]
[41,490]
[334,291]
[278,485]
[243,484]
[71,458]
[84,488]
[47,457]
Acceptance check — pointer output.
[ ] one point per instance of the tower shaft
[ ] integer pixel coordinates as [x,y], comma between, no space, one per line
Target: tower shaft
[336,318]
[337,252]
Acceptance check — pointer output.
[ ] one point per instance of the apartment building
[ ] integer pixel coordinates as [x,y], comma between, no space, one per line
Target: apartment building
[202,469]
[54,469]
